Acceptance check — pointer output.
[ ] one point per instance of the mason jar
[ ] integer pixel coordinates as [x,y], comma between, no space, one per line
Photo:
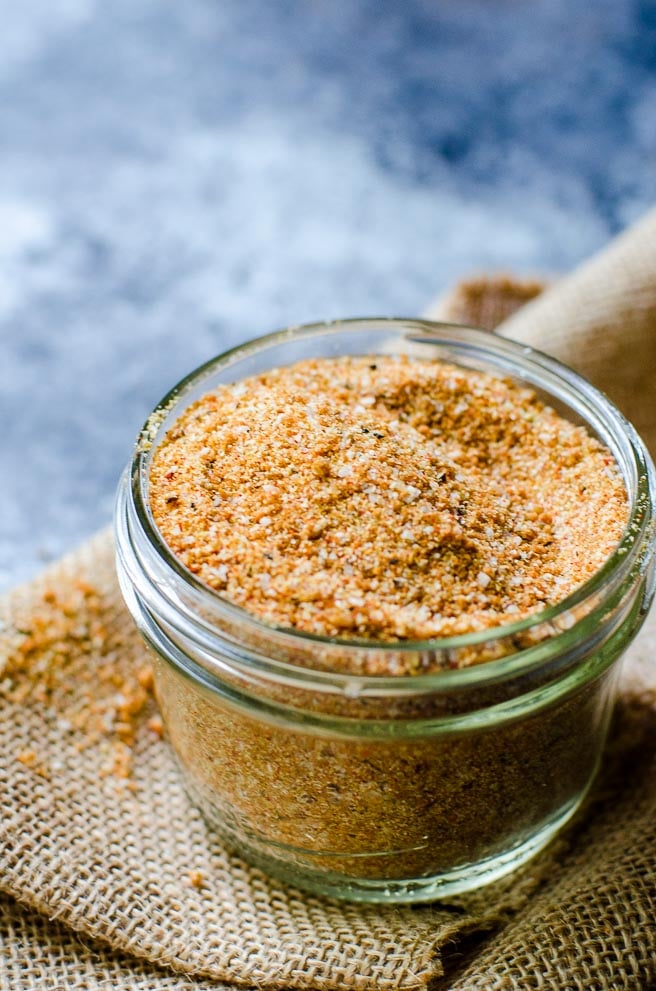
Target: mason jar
[377,787]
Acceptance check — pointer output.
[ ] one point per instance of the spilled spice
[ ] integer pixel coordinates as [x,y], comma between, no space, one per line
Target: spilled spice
[62,659]
[196,879]
[30,759]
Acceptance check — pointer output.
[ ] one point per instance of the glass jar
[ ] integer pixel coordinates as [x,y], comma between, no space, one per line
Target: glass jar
[381,788]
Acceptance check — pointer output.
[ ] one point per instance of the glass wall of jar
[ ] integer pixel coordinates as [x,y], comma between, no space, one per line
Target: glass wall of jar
[387,788]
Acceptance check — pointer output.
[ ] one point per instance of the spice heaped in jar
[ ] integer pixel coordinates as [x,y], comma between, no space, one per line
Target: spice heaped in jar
[387,569]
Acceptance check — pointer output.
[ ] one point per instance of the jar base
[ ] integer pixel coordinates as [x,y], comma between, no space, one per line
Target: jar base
[435,887]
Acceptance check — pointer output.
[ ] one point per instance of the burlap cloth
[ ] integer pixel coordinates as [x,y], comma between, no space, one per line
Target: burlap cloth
[111,879]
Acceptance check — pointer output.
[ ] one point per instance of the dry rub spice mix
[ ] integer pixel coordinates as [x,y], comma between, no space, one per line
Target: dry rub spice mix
[385,498]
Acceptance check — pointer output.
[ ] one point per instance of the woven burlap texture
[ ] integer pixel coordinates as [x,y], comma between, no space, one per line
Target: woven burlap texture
[112,860]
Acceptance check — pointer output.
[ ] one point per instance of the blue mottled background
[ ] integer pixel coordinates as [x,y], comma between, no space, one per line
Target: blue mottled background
[177,176]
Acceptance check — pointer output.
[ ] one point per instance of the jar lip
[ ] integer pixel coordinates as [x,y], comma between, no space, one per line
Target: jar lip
[639,528]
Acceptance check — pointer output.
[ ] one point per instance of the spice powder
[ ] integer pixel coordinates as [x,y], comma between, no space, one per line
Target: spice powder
[386,499]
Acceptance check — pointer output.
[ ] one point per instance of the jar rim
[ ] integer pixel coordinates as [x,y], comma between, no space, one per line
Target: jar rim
[638,533]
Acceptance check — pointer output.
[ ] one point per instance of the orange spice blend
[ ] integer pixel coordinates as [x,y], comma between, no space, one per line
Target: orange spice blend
[385,498]
[61,658]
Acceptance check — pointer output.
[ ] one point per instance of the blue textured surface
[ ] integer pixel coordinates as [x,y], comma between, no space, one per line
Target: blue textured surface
[176,177]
